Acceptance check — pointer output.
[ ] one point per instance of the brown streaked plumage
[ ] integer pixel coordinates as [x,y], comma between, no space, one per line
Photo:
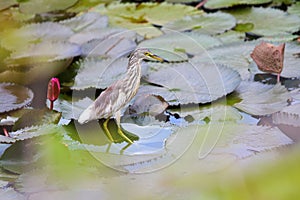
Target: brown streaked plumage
[269,58]
[116,96]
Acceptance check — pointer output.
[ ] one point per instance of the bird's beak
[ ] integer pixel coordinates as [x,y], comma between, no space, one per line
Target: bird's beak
[155,57]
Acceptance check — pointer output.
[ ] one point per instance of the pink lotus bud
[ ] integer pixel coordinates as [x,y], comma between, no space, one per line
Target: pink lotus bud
[53,90]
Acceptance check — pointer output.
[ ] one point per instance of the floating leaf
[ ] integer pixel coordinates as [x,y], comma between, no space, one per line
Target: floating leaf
[14,96]
[217,4]
[41,6]
[44,52]
[294,9]
[20,39]
[111,47]
[141,17]
[231,37]
[223,144]
[289,115]
[193,82]
[34,131]
[176,46]
[212,23]
[99,73]
[277,22]
[260,99]
[86,22]
[37,117]
[102,34]
[7,3]
[25,74]
[72,110]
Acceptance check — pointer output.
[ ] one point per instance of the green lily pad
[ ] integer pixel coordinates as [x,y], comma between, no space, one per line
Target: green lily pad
[14,96]
[38,6]
[175,46]
[99,73]
[217,4]
[44,52]
[141,17]
[7,3]
[260,99]
[231,37]
[212,23]
[20,39]
[37,117]
[277,22]
[194,82]
[86,22]
[294,9]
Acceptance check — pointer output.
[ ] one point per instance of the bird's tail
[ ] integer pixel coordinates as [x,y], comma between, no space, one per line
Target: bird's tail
[87,115]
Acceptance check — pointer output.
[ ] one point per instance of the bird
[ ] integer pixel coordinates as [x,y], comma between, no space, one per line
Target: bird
[110,102]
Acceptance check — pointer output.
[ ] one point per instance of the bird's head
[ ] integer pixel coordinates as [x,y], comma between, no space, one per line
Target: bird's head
[143,53]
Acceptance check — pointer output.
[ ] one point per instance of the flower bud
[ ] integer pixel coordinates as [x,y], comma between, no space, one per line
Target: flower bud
[53,89]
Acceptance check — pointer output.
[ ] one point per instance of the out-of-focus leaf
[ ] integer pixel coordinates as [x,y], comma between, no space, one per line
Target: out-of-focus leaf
[7,3]
[34,72]
[40,6]
[6,139]
[14,96]
[21,38]
[44,52]
[212,23]
[217,4]
[37,117]
[260,99]
[11,193]
[86,22]
[99,73]
[176,46]
[194,82]
[34,131]
[277,22]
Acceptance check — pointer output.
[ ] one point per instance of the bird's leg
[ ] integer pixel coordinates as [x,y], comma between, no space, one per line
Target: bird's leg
[120,132]
[278,78]
[107,131]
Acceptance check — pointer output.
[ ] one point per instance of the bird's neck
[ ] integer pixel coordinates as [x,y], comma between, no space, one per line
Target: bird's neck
[133,74]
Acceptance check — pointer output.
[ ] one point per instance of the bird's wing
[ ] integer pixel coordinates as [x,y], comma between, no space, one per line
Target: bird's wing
[110,101]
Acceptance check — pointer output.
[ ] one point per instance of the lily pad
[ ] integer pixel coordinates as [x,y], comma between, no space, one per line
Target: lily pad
[72,110]
[112,47]
[99,73]
[277,22]
[260,99]
[14,96]
[20,39]
[192,82]
[141,17]
[212,23]
[40,6]
[217,4]
[175,46]
[44,52]
[7,3]
[290,115]
[86,22]
[294,9]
